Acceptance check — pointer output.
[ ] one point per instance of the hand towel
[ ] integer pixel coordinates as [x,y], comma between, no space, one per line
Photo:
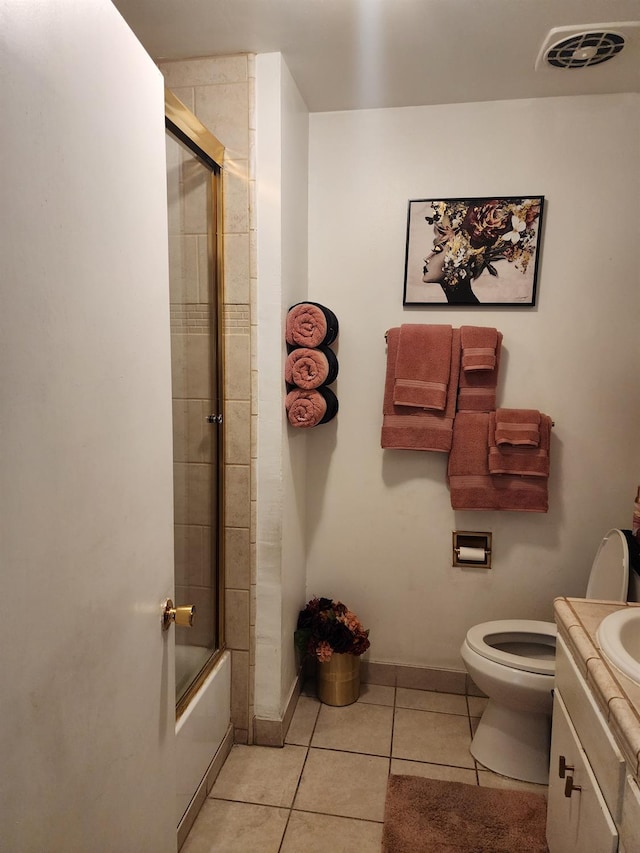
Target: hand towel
[423,365]
[527,460]
[477,388]
[310,324]
[308,368]
[404,428]
[307,409]
[471,485]
[478,347]
[517,427]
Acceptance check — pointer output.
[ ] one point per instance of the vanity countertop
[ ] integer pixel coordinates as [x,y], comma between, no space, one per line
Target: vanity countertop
[618,697]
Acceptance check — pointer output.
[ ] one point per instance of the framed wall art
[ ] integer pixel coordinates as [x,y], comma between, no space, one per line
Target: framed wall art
[473,251]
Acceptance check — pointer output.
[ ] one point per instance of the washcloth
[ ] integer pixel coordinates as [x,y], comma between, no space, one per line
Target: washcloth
[423,365]
[310,324]
[478,347]
[517,427]
[477,388]
[310,368]
[404,428]
[471,485]
[506,459]
[310,408]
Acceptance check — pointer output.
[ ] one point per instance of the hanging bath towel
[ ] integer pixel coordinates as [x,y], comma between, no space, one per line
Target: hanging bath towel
[404,428]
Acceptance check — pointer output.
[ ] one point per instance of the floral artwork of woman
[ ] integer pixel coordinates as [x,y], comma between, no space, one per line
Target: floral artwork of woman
[470,239]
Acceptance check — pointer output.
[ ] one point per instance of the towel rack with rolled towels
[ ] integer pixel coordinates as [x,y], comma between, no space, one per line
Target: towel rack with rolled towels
[311,366]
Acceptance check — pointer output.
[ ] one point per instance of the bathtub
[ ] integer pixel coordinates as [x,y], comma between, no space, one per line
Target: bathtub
[200,732]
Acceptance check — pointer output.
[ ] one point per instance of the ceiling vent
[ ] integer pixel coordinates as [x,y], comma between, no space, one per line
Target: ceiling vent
[581,47]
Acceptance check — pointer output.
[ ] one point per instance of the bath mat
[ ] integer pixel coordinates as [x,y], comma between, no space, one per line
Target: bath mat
[429,815]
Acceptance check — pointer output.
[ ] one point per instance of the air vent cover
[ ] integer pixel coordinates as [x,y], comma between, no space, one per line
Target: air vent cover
[581,47]
[585,49]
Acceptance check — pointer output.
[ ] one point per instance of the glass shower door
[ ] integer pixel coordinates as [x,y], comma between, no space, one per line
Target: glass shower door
[192,203]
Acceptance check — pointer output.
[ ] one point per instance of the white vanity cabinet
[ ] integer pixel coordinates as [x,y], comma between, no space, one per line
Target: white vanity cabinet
[578,819]
[587,773]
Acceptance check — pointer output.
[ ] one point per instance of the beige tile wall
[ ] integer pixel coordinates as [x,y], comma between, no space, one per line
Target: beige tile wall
[220,91]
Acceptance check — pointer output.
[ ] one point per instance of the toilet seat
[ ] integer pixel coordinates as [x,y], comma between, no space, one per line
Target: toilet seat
[513,642]
[524,644]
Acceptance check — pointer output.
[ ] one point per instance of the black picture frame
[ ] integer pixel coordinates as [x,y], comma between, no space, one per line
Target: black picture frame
[481,251]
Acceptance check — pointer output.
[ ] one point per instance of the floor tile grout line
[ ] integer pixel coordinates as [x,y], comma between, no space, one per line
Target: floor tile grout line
[293,799]
[475,763]
[351,751]
[343,816]
[393,726]
[295,793]
[435,763]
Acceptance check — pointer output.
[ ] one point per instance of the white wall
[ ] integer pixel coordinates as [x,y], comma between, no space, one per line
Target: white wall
[281,172]
[380,522]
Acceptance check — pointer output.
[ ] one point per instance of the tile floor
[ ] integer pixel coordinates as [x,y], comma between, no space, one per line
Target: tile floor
[325,790]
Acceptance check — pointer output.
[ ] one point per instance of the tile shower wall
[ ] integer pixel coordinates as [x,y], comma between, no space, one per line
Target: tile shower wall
[220,92]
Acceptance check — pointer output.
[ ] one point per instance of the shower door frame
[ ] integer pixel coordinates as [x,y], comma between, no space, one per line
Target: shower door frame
[184,126]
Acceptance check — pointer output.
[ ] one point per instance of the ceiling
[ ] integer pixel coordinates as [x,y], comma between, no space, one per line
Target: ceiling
[359,54]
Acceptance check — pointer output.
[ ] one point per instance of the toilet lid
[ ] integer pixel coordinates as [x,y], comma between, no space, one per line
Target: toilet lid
[609,578]
[524,644]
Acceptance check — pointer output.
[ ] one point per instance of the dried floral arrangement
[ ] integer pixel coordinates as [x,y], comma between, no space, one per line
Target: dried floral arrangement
[326,626]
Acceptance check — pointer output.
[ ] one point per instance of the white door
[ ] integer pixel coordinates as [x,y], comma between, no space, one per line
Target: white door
[87,722]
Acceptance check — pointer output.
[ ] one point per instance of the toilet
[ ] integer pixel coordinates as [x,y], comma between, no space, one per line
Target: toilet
[513,662]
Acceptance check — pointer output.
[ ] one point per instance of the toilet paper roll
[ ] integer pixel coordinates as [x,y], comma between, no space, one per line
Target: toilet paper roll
[472,555]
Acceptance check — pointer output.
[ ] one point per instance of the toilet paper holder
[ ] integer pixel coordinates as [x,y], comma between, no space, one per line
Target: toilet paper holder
[471,549]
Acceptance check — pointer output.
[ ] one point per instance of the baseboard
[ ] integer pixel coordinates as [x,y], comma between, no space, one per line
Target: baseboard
[274,732]
[205,787]
[418,677]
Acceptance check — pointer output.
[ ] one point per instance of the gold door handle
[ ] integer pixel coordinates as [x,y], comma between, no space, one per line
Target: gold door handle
[182,616]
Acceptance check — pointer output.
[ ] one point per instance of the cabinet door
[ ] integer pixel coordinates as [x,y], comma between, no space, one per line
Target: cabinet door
[592,729]
[579,823]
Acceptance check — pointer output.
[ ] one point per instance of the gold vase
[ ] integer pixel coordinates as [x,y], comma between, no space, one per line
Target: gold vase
[339,679]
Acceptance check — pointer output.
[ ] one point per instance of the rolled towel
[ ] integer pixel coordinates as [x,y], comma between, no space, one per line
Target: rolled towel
[477,388]
[478,347]
[307,409]
[308,368]
[423,365]
[310,324]
[523,460]
[517,427]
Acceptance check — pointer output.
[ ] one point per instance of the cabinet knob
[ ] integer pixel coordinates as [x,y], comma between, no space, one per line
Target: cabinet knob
[569,787]
[563,767]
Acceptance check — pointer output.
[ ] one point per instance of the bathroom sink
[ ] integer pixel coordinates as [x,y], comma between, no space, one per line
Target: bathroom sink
[619,640]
